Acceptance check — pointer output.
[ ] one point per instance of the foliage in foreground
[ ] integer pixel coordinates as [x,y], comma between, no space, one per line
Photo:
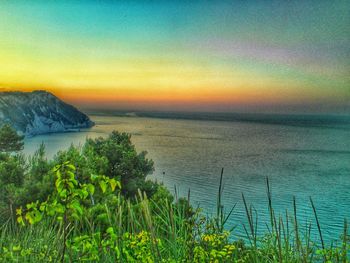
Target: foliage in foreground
[24,180]
[64,228]
[82,213]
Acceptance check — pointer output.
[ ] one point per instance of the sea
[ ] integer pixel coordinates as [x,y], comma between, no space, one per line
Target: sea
[302,157]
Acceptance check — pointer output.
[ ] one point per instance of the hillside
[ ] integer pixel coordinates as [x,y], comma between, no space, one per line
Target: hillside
[40,112]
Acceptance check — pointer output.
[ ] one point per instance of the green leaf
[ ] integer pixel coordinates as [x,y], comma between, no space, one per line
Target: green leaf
[59,209]
[70,185]
[16,248]
[19,211]
[77,207]
[114,183]
[91,189]
[71,175]
[110,230]
[58,185]
[30,218]
[63,194]
[20,220]
[58,174]
[37,216]
[71,166]
[94,177]
[75,182]
[85,193]
[103,186]
[56,168]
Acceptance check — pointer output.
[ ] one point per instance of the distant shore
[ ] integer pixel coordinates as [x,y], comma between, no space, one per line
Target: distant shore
[299,120]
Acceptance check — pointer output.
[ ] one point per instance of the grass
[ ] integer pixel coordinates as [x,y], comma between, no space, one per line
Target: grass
[160,230]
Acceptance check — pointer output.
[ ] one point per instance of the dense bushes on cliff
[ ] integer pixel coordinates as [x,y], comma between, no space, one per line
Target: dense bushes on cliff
[25,180]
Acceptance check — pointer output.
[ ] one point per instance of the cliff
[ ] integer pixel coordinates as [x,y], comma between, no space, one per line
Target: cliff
[39,112]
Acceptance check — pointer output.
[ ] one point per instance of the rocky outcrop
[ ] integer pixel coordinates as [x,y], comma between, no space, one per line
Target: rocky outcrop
[40,112]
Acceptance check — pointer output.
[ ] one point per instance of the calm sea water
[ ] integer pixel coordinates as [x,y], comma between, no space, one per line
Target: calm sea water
[189,154]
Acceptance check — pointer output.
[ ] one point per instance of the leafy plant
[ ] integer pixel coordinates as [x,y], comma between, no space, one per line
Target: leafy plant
[66,204]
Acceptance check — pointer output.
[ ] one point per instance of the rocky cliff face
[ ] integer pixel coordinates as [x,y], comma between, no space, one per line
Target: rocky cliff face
[40,112]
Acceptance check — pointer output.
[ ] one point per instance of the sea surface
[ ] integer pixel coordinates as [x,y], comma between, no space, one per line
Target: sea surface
[299,160]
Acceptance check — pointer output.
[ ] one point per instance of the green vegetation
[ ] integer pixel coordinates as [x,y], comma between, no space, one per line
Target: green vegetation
[94,204]
[10,141]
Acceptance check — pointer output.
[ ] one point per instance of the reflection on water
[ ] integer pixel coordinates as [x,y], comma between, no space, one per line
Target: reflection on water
[299,161]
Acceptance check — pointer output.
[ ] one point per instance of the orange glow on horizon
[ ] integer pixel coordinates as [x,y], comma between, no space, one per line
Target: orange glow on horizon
[239,95]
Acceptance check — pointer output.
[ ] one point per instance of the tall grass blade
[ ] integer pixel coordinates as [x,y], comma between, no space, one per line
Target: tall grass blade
[318,224]
[345,242]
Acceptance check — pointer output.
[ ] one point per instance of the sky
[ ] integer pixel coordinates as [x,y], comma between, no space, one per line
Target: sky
[247,56]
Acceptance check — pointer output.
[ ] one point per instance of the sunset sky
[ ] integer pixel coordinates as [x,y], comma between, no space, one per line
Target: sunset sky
[280,56]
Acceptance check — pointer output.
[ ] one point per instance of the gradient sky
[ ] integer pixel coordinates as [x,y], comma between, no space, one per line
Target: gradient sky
[281,56]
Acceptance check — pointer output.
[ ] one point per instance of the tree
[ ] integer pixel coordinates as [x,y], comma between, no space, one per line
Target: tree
[124,163]
[12,172]
[39,178]
[115,157]
[10,141]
